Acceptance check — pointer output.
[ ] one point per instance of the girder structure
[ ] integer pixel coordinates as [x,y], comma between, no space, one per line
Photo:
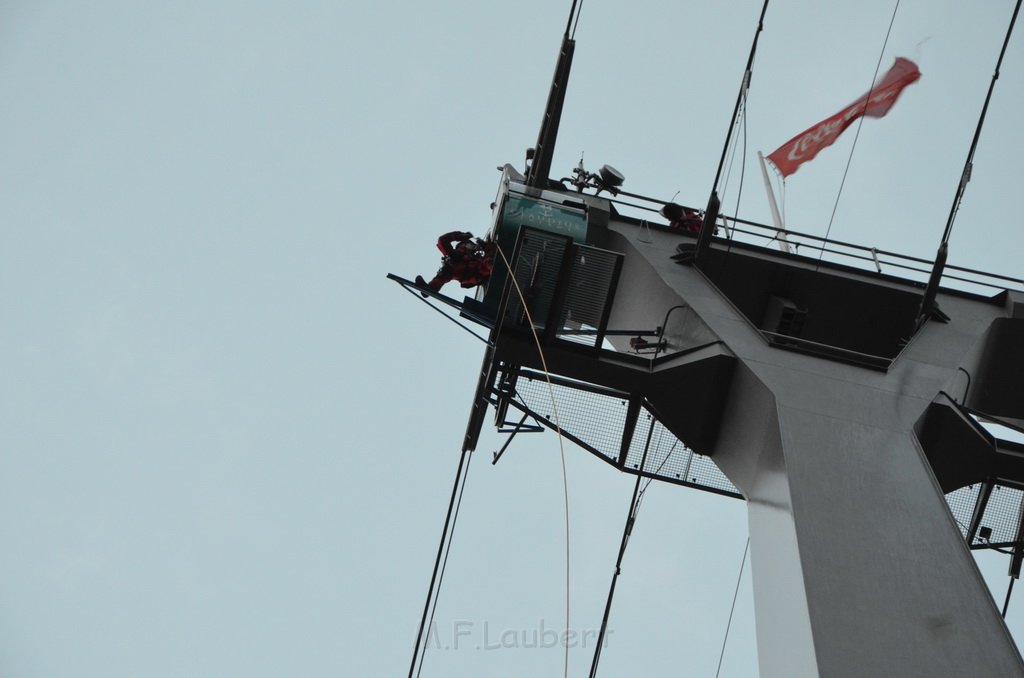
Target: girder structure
[839,421]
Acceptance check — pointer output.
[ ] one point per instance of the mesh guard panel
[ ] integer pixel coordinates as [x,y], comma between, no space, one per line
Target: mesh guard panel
[961,504]
[596,419]
[669,459]
[1002,514]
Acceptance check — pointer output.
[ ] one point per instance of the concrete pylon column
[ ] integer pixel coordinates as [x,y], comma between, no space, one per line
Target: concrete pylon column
[858,566]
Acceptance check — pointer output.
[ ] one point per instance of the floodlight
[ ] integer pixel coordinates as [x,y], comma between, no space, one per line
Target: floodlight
[611,178]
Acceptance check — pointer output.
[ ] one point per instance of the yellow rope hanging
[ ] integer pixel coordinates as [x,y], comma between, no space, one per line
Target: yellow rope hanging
[561,446]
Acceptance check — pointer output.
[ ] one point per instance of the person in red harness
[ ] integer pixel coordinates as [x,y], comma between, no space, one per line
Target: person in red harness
[466,259]
[682,218]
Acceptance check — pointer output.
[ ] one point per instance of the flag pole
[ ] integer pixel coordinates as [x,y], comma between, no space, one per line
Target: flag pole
[779,226]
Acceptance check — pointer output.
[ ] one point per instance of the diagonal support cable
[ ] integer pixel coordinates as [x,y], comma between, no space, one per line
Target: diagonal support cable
[413,289]
[626,532]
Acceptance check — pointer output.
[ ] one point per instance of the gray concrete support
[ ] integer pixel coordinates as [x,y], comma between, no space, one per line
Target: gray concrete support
[858,567]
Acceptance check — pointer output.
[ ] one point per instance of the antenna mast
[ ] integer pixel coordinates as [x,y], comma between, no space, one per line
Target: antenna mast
[928,300]
[544,150]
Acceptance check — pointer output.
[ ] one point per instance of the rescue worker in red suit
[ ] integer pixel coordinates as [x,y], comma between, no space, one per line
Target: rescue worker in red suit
[682,218]
[468,260]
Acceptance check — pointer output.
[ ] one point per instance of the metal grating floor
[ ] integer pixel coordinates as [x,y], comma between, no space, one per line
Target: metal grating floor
[669,459]
[594,419]
[961,504]
[1002,512]
[597,422]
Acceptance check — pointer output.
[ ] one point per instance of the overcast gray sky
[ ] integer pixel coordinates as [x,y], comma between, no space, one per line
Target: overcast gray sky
[227,442]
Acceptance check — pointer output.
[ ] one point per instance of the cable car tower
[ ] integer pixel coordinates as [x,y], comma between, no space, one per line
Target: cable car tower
[842,404]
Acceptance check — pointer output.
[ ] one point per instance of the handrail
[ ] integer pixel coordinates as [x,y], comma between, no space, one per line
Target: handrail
[868,249]
[856,357]
[860,252]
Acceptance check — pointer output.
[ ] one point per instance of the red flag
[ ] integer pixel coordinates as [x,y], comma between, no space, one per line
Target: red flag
[803,147]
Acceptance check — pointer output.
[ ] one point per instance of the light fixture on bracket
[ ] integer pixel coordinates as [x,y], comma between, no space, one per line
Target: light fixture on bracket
[606,179]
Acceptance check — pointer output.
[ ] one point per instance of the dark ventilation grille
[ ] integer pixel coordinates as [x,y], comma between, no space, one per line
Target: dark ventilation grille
[538,264]
[568,288]
[591,283]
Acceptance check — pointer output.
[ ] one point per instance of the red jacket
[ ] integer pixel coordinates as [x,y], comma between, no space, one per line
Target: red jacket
[470,262]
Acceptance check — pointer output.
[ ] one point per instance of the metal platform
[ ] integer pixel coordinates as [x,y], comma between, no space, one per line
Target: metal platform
[570,288]
[611,425]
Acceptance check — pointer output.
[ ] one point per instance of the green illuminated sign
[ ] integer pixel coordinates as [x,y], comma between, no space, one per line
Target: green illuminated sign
[523,211]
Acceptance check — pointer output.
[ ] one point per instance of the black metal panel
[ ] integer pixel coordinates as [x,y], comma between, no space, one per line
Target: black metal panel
[539,260]
[632,416]
[958,449]
[962,452]
[589,290]
[694,413]
[997,387]
[480,401]
[845,317]
[707,229]
[567,287]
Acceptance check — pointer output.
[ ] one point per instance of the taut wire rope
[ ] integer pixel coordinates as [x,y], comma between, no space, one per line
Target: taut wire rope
[461,326]
[860,123]
[627,530]
[744,86]
[577,22]
[437,562]
[728,172]
[743,166]
[444,563]
[966,176]
[732,609]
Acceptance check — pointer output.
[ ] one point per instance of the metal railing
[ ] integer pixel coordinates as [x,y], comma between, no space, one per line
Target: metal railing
[836,251]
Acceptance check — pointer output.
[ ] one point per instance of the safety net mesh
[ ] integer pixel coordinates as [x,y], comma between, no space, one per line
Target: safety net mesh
[596,419]
[669,459]
[1000,519]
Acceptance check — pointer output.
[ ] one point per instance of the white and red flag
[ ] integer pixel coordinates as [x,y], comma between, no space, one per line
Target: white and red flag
[804,146]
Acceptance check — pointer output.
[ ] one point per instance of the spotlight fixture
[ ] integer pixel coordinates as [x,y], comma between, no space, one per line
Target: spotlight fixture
[607,179]
[610,179]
